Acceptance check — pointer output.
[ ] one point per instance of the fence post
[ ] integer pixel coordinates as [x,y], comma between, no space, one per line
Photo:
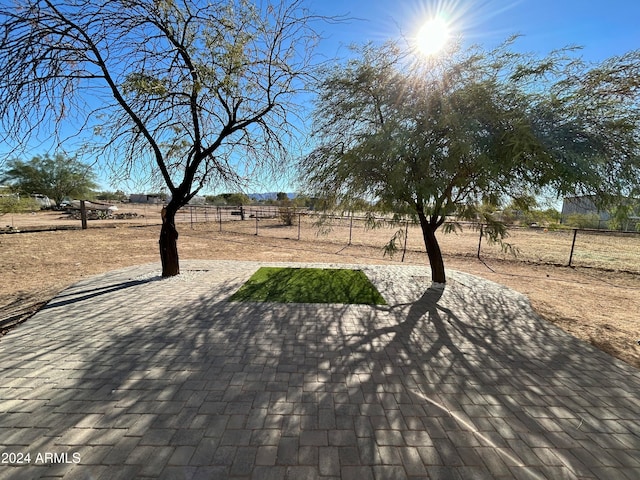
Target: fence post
[350,228]
[220,217]
[480,240]
[257,224]
[573,244]
[406,235]
[299,223]
[83,214]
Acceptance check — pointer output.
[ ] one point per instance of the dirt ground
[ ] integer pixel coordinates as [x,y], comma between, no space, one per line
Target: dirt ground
[598,306]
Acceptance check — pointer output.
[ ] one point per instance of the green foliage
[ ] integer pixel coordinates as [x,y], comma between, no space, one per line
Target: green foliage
[143,84]
[230,199]
[185,93]
[15,204]
[56,177]
[236,199]
[325,203]
[624,215]
[452,136]
[430,139]
[303,201]
[524,203]
[396,240]
[589,121]
[308,285]
[583,220]
[286,210]
[162,195]
[217,200]
[522,211]
[496,232]
[117,196]
[545,217]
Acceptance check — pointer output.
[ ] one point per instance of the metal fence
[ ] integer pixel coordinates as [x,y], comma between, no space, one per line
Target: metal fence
[206,213]
[572,246]
[567,246]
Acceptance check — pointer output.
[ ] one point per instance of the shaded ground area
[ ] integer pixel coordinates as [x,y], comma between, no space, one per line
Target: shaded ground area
[465,383]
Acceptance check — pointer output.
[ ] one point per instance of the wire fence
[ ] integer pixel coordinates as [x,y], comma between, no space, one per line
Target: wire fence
[602,249]
[567,246]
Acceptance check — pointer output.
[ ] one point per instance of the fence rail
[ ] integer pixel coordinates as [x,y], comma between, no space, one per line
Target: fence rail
[566,246]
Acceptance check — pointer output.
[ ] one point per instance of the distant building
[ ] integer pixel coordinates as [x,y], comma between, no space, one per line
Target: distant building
[153,198]
[584,205]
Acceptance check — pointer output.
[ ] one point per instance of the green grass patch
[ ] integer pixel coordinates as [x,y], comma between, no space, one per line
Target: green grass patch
[308,285]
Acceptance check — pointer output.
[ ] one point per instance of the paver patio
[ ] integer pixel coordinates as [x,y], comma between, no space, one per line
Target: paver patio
[127,375]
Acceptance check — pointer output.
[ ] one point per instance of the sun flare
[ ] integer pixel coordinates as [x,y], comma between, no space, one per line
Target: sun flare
[432,36]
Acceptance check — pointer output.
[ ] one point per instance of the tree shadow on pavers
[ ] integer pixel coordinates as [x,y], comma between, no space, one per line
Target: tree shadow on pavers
[463,383]
[91,293]
[99,373]
[469,382]
[500,388]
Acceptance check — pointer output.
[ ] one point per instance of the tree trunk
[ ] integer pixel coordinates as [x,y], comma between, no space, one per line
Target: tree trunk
[169,242]
[433,250]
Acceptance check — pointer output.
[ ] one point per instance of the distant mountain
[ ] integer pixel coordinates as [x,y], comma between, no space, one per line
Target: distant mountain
[260,197]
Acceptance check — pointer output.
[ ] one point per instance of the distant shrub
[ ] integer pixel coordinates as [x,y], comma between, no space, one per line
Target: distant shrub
[15,204]
[287,215]
[554,226]
[581,220]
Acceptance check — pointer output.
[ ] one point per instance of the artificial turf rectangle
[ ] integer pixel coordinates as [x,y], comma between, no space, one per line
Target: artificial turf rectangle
[308,285]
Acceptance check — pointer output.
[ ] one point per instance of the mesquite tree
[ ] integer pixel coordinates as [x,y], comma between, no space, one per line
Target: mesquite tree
[57,177]
[187,90]
[439,138]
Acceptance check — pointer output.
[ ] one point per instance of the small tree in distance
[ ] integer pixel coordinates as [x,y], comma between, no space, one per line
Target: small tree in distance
[449,136]
[191,92]
[15,204]
[236,199]
[56,177]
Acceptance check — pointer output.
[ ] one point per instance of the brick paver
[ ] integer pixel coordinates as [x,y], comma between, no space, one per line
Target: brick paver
[127,375]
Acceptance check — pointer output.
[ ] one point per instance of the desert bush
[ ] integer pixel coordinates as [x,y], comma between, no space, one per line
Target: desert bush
[583,220]
[287,215]
[15,204]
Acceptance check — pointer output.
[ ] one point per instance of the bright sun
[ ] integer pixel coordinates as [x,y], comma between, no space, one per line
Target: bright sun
[433,36]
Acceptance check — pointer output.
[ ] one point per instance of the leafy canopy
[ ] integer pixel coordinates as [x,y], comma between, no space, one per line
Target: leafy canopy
[452,136]
[589,121]
[473,126]
[14,204]
[428,137]
[56,177]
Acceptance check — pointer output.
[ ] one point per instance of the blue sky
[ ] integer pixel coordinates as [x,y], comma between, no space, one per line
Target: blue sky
[602,28]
